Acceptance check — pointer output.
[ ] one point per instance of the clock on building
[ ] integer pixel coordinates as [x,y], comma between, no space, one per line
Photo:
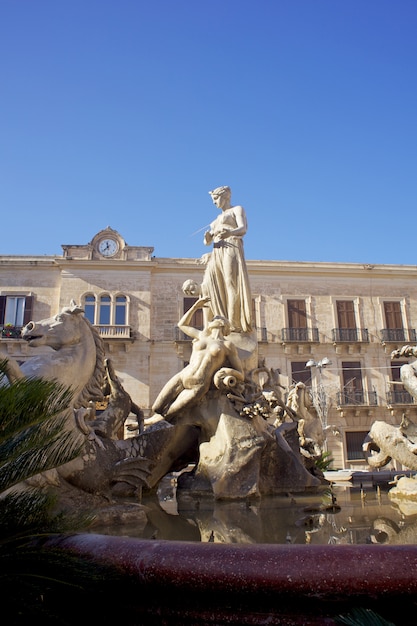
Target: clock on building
[108,247]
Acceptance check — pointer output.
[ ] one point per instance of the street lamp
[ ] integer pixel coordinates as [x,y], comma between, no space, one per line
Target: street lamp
[323,363]
[320,397]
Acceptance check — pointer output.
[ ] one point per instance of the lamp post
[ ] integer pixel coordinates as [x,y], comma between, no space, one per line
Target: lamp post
[320,401]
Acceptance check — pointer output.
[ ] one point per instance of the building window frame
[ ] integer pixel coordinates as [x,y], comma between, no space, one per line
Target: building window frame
[304,331]
[354,440]
[197,320]
[352,329]
[16,309]
[106,309]
[299,373]
[396,326]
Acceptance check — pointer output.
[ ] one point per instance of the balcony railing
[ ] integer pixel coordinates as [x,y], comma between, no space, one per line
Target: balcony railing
[114,332]
[357,398]
[105,331]
[301,335]
[350,335]
[398,335]
[400,396]
[261,334]
[10,332]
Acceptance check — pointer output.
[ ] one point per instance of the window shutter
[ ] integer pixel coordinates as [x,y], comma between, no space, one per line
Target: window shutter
[346,314]
[393,315]
[2,308]
[352,376]
[27,316]
[297,314]
[197,319]
[300,373]
[354,443]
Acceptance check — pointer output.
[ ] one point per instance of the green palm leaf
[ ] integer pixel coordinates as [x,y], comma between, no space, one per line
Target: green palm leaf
[33,433]
[35,436]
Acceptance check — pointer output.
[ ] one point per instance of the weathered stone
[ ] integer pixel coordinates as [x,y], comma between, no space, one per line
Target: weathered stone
[246,458]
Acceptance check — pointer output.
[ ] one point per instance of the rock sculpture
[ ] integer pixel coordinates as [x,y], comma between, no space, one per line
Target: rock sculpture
[310,428]
[223,412]
[385,442]
[241,452]
[386,531]
[255,460]
[408,371]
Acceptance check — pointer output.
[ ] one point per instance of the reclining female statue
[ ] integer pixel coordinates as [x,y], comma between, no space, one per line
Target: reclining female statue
[211,351]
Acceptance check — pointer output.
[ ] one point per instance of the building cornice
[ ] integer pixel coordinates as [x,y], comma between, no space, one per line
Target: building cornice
[289,268]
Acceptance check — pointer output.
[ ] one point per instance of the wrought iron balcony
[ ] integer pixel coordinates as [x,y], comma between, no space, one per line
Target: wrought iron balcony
[350,335]
[357,398]
[262,334]
[399,396]
[9,331]
[109,331]
[398,335]
[300,335]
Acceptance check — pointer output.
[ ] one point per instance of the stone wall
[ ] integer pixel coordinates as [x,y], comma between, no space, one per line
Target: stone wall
[152,355]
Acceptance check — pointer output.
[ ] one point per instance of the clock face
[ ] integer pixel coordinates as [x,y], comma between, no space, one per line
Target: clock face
[108,247]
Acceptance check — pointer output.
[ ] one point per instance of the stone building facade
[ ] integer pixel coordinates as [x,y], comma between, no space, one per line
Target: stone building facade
[330,325]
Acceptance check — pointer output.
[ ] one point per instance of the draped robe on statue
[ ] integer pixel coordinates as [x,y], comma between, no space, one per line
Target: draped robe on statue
[226,279]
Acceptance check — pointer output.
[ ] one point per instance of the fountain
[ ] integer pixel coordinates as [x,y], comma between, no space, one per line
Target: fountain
[237,449]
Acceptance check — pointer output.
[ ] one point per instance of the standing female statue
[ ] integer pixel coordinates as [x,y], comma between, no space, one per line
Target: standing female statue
[226,279]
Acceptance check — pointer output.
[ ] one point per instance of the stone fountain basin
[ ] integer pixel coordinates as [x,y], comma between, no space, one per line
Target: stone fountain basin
[176,582]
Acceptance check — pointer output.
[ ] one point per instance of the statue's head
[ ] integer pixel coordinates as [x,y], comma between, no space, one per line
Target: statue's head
[220,192]
[191,288]
[220,322]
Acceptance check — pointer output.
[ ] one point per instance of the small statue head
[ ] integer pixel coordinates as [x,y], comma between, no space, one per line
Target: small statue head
[191,288]
[220,322]
[220,191]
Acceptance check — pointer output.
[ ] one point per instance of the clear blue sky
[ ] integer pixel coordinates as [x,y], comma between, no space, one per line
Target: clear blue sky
[127,112]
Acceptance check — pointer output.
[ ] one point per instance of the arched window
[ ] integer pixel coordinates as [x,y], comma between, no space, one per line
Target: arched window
[106,309]
[90,308]
[120,310]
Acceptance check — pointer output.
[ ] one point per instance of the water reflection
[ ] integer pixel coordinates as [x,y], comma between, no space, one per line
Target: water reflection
[339,515]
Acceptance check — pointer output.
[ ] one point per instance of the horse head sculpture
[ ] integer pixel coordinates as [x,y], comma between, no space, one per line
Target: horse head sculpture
[76,359]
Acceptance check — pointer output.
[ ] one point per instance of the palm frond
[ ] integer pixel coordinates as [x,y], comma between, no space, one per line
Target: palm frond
[36,435]
[25,402]
[32,437]
[39,458]
[23,514]
[362,617]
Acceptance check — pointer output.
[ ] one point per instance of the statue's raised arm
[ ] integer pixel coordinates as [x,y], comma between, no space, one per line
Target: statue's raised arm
[211,351]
